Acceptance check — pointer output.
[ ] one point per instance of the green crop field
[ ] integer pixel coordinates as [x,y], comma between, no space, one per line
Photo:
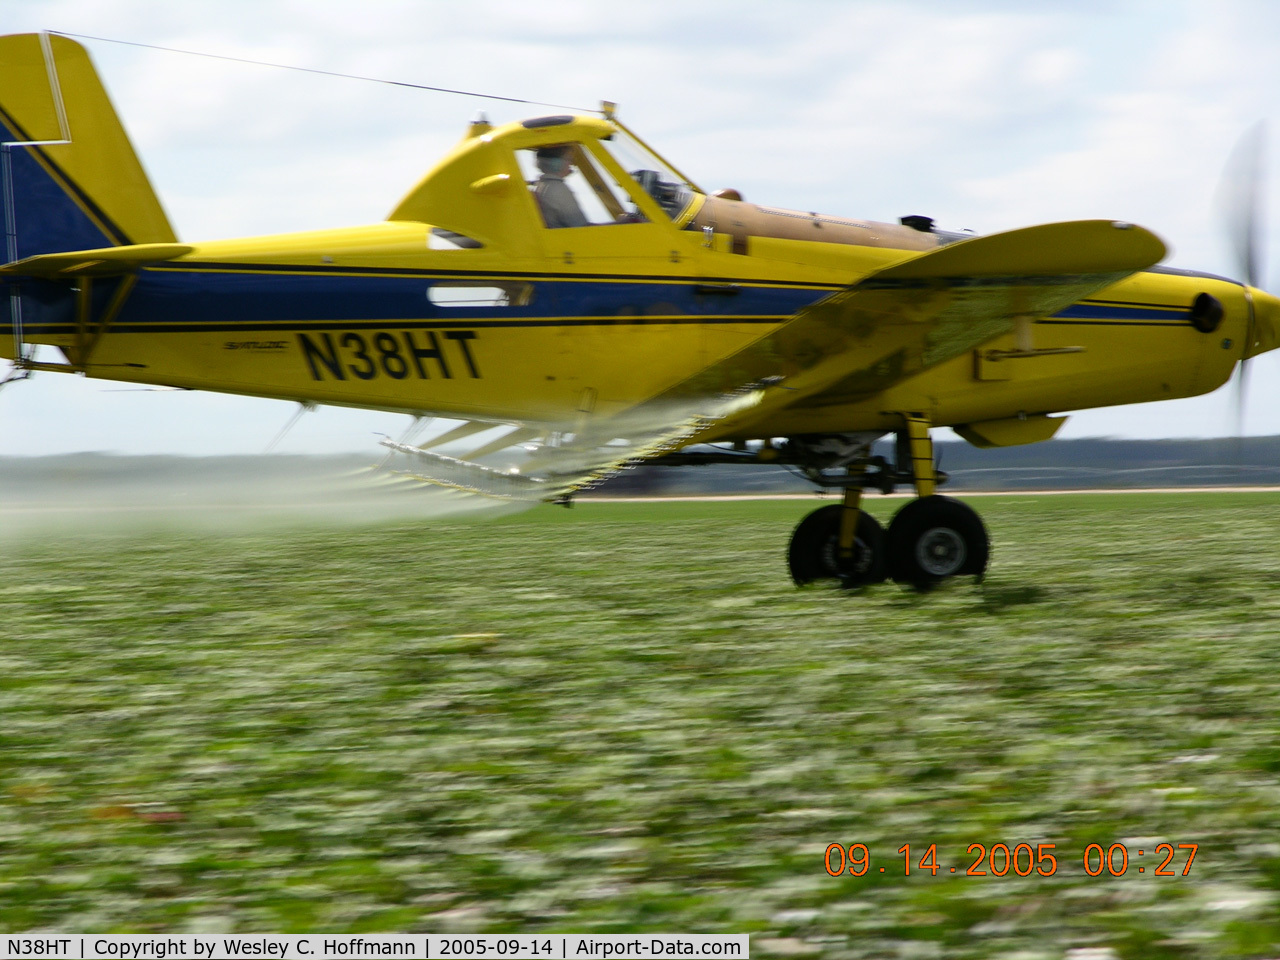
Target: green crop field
[623,717]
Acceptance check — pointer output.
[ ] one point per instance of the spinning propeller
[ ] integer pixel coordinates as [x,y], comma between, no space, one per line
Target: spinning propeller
[1240,199]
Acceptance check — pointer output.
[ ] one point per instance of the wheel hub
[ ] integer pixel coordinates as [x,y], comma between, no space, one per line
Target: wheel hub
[941,552]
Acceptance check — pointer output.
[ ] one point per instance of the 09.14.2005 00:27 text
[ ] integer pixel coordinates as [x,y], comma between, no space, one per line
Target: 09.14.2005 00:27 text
[1022,860]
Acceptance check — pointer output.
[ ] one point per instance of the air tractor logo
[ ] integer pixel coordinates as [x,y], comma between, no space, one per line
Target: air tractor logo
[400,355]
[259,345]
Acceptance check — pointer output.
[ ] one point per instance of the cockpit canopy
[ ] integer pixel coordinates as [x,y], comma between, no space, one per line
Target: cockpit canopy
[603,178]
[577,171]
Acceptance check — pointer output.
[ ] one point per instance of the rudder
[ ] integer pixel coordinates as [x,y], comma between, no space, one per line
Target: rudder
[70,177]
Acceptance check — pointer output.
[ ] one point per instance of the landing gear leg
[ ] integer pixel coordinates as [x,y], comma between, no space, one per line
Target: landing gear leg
[932,537]
[839,542]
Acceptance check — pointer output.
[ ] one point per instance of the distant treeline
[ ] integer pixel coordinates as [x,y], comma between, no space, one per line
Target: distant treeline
[1055,465]
[117,470]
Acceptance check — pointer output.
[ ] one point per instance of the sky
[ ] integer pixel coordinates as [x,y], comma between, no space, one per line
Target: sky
[983,114]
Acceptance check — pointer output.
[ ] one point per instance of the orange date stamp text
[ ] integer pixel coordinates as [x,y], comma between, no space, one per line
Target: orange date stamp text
[1022,859]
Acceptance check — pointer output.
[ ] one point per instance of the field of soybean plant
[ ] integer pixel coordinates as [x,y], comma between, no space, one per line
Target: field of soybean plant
[623,717]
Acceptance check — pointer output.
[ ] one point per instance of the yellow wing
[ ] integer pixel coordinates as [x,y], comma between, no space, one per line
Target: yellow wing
[926,310]
[888,326]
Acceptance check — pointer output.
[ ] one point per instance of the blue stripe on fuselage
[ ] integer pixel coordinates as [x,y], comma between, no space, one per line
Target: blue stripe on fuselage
[168,296]
[223,297]
[1114,311]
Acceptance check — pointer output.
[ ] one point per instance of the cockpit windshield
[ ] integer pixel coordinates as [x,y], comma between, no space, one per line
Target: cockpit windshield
[671,191]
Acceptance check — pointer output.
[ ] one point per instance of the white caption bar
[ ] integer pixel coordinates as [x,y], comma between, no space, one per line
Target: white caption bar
[303,946]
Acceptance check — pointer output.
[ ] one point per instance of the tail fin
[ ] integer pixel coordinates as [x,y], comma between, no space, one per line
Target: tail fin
[70,178]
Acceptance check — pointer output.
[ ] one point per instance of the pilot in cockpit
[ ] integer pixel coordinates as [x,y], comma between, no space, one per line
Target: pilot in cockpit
[559,206]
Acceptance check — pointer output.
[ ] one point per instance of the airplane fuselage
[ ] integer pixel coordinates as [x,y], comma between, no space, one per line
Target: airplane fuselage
[371,317]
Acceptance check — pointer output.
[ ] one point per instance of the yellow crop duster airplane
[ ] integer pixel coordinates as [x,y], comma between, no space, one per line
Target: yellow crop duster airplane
[558,281]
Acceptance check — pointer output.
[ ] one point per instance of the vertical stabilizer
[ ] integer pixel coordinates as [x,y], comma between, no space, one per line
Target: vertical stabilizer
[70,178]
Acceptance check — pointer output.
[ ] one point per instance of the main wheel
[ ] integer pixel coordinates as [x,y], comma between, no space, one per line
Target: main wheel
[933,538]
[815,549]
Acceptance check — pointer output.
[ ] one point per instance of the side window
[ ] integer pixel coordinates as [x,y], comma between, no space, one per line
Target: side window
[470,293]
[571,190]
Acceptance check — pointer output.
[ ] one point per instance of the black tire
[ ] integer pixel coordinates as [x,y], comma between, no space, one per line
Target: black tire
[814,553]
[933,538]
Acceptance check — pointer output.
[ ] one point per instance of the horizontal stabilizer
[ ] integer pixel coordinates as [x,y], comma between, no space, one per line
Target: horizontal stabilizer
[102,262]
